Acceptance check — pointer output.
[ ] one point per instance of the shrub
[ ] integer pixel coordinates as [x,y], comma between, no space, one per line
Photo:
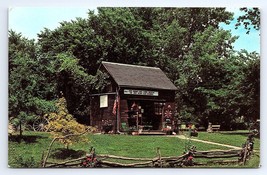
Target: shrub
[62,124]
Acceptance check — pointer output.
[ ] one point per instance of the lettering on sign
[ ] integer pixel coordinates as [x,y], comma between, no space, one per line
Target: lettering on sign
[140,92]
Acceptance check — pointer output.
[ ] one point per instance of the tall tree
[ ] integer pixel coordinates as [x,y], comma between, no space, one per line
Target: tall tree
[250,18]
[250,86]
[75,84]
[30,94]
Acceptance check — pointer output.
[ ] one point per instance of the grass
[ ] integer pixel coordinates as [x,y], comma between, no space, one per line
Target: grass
[235,139]
[254,162]
[27,152]
[230,138]
[31,145]
[143,146]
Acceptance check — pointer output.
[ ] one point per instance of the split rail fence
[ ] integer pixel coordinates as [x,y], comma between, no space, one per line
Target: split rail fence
[191,158]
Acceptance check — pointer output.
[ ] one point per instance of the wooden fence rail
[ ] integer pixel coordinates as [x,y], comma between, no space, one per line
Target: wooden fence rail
[191,158]
[173,161]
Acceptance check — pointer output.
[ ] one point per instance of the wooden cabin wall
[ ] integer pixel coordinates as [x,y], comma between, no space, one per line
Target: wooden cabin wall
[123,112]
[100,115]
[94,110]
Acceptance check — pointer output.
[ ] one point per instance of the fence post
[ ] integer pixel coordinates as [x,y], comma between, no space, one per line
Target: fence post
[245,154]
[159,156]
[42,159]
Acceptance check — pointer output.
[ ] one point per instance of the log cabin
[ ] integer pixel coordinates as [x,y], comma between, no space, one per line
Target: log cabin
[137,98]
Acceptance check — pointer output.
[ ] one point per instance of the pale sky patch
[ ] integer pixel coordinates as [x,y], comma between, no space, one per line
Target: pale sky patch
[29,21]
[249,42]
[32,20]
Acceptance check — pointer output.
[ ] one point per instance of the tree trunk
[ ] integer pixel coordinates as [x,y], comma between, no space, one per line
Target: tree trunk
[20,130]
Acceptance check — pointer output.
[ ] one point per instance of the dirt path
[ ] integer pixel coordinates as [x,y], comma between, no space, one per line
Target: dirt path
[208,142]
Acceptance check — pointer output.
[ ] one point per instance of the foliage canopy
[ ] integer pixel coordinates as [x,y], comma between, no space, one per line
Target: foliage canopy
[215,83]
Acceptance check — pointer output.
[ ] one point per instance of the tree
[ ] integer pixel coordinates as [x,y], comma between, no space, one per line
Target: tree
[251,18]
[205,75]
[29,92]
[75,84]
[250,86]
[36,78]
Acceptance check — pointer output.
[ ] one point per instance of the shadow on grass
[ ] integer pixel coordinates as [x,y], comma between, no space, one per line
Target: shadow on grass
[24,138]
[63,153]
[241,133]
[237,132]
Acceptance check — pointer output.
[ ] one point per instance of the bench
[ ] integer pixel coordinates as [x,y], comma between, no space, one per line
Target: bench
[215,127]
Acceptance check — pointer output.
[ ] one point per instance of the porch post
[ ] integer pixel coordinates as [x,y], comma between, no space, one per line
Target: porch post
[118,112]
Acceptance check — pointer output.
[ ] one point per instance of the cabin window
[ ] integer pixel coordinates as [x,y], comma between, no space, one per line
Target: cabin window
[103,101]
[158,108]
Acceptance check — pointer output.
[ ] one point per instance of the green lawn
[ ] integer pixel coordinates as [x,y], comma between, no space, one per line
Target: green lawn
[34,144]
[31,145]
[230,138]
[235,139]
[143,146]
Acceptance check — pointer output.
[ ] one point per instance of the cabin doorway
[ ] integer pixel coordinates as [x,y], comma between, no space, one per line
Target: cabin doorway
[145,113]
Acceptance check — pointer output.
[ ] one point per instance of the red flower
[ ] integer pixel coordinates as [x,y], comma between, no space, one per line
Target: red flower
[190,158]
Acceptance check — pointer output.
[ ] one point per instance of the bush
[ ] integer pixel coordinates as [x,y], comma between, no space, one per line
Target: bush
[62,123]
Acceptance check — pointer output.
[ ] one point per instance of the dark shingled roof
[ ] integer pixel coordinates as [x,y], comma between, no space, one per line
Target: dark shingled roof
[127,75]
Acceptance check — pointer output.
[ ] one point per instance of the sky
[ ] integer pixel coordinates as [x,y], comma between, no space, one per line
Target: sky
[251,41]
[32,20]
